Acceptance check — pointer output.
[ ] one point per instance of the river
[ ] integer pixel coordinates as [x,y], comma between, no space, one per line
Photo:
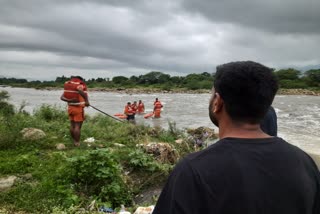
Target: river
[298,115]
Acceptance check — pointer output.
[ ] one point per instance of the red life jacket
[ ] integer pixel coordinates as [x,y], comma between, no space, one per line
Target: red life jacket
[140,107]
[134,108]
[128,110]
[71,90]
[157,105]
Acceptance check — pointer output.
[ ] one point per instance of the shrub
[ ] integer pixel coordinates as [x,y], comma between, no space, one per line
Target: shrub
[97,173]
[292,84]
[49,113]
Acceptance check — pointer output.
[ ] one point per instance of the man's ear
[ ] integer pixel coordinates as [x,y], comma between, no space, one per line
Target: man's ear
[217,103]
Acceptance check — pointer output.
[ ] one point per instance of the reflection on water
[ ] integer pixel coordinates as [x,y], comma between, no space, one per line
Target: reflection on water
[298,116]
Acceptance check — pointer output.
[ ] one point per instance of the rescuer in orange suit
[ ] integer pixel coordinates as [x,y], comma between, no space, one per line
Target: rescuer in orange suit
[129,112]
[134,107]
[157,108]
[75,94]
[140,107]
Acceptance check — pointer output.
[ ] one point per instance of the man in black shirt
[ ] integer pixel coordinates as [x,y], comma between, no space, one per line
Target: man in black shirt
[269,123]
[247,171]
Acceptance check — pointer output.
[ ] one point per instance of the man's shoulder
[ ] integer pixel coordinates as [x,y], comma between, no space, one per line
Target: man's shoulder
[217,149]
[226,149]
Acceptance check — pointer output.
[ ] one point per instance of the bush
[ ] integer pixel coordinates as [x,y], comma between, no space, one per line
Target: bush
[6,109]
[78,176]
[292,84]
[50,113]
[97,173]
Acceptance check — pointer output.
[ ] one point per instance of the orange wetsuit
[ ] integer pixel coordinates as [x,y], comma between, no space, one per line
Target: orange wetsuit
[140,108]
[157,108]
[75,110]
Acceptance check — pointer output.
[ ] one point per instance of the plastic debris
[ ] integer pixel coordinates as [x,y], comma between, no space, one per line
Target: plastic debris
[106,210]
[89,140]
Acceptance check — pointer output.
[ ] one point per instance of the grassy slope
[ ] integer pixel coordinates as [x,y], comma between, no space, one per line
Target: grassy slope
[111,175]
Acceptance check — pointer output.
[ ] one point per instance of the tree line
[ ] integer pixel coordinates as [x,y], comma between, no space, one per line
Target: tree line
[288,78]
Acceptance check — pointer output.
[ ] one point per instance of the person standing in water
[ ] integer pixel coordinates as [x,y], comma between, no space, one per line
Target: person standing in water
[129,112]
[140,109]
[157,108]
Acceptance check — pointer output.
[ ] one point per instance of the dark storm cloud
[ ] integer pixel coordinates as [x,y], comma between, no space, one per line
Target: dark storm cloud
[83,30]
[286,16]
[128,37]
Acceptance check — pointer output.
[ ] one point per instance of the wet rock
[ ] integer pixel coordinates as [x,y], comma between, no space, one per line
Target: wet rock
[7,182]
[179,141]
[148,196]
[60,146]
[32,134]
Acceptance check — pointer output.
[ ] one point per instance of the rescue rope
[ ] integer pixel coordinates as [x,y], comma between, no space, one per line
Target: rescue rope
[105,113]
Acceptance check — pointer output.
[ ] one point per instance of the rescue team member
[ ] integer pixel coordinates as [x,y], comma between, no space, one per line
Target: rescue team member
[157,108]
[129,112]
[247,171]
[134,107]
[140,107]
[75,94]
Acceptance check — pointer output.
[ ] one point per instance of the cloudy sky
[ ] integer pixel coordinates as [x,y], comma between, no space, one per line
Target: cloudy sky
[43,39]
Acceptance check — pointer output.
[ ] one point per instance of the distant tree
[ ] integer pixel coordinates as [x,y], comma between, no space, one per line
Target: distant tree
[61,79]
[119,79]
[164,78]
[177,79]
[12,80]
[99,79]
[313,77]
[134,79]
[154,77]
[206,74]
[193,84]
[35,82]
[293,83]
[192,80]
[288,74]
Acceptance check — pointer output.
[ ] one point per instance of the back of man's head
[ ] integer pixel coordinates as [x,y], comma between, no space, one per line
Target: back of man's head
[78,77]
[247,89]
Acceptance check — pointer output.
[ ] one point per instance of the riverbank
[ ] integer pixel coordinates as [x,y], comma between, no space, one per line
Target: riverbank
[281,91]
[298,92]
[117,163]
[200,91]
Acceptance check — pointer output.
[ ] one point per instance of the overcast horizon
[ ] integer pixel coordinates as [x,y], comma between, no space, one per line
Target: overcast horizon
[44,39]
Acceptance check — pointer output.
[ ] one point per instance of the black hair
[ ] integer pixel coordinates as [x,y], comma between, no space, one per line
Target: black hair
[78,77]
[247,89]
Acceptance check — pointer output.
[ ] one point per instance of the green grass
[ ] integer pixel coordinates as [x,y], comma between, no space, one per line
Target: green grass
[73,178]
